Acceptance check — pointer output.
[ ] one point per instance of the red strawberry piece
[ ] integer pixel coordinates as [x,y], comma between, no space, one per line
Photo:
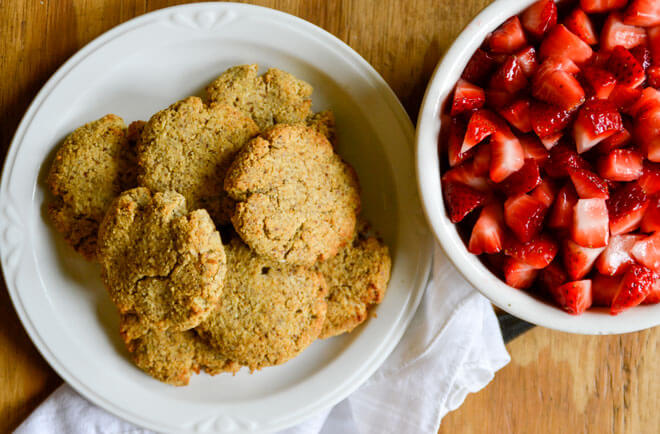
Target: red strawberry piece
[562,42]
[553,276]
[579,260]
[538,253]
[508,37]
[548,120]
[625,67]
[557,87]
[522,181]
[587,184]
[467,97]
[626,208]
[506,154]
[509,77]
[517,114]
[518,274]
[549,142]
[651,220]
[527,60]
[599,59]
[534,149]
[590,223]
[455,142]
[644,13]
[647,133]
[601,5]
[654,44]
[479,67]
[499,98]
[579,23]
[654,296]
[653,76]
[635,286]
[650,179]
[524,215]
[574,297]
[560,63]
[649,99]
[617,140]
[481,160]
[545,192]
[616,257]
[561,215]
[615,32]
[643,55]
[539,17]
[647,252]
[600,83]
[624,97]
[467,174]
[482,124]
[561,159]
[461,200]
[488,232]
[621,165]
[603,289]
[596,120]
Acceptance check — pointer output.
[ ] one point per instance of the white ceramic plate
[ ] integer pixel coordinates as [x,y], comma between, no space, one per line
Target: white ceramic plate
[143,66]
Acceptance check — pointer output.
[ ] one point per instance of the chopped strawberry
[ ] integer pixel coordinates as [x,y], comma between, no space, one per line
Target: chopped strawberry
[518,274]
[527,60]
[517,114]
[643,56]
[647,251]
[579,260]
[534,149]
[654,44]
[650,179]
[561,159]
[600,83]
[455,142]
[488,232]
[522,181]
[575,297]
[481,160]
[617,140]
[590,223]
[506,154]
[644,13]
[479,67]
[627,70]
[651,220]
[648,99]
[553,276]
[499,98]
[601,5]
[621,165]
[624,97]
[596,120]
[539,17]
[550,141]
[635,286]
[556,86]
[561,215]
[548,120]
[587,184]
[461,200]
[654,296]
[466,174]
[545,192]
[616,257]
[579,23]
[626,208]
[603,289]
[615,32]
[524,215]
[509,77]
[647,133]
[653,76]
[482,124]
[562,42]
[537,253]
[467,97]
[508,38]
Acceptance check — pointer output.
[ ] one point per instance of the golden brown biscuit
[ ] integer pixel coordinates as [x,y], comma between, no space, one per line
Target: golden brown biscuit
[269,312]
[324,123]
[188,147]
[296,199]
[273,98]
[94,164]
[162,265]
[357,279]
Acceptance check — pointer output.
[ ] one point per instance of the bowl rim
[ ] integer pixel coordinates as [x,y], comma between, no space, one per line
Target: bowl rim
[516,302]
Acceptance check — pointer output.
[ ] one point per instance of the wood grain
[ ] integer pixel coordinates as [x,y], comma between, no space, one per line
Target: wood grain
[555,383]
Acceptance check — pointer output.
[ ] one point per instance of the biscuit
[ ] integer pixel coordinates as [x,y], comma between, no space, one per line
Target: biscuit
[92,166]
[296,199]
[324,123]
[188,147]
[357,279]
[268,313]
[273,98]
[162,265]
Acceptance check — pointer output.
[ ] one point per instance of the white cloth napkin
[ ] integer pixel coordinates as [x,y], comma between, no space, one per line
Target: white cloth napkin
[452,347]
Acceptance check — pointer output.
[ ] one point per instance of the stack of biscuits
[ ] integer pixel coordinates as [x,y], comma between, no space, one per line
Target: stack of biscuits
[227,228]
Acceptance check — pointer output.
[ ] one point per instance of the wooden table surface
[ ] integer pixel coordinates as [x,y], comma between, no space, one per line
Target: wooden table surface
[556,382]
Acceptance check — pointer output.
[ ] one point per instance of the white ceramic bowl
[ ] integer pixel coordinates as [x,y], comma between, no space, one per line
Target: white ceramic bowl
[514,301]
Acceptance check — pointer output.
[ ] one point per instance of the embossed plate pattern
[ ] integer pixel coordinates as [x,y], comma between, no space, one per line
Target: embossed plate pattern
[133,71]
